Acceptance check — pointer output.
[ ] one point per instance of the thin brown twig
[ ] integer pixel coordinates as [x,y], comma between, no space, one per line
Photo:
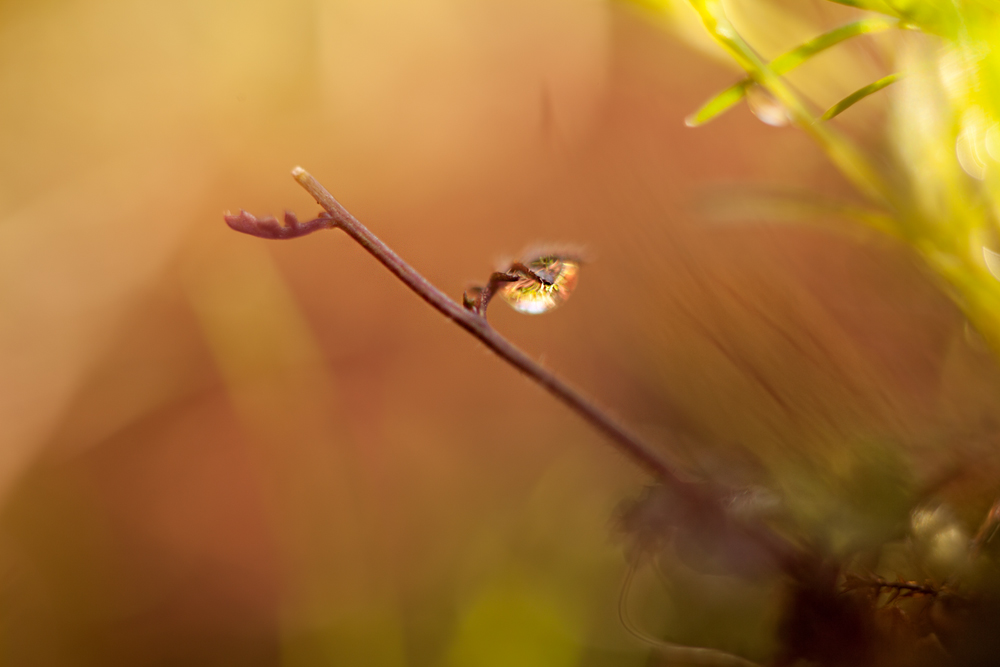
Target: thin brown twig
[695,496]
[477,325]
[900,586]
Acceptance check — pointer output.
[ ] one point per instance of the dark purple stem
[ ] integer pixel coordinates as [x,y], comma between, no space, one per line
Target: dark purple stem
[480,328]
[270,228]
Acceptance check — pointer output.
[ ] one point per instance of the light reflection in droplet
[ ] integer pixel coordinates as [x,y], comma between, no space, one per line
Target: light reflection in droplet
[766,107]
[530,296]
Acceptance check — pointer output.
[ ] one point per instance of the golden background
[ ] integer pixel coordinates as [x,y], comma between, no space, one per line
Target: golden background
[220,450]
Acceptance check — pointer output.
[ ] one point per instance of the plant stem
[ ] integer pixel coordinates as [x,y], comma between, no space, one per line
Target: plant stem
[697,501]
[851,162]
[476,324]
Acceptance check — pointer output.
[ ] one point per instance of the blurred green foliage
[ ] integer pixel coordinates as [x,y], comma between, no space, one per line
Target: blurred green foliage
[937,179]
[930,177]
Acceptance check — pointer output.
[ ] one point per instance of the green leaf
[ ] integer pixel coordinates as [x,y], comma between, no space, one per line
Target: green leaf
[848,159]
[787,62]
[719,104]
[859,95]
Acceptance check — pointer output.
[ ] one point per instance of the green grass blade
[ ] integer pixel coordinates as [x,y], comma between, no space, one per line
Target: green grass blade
[748,205]
[859,95]
[719,104]
[787,62]
[852,162]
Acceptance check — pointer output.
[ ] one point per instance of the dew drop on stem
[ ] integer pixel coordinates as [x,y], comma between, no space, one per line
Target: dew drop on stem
[558,279]
[766,107]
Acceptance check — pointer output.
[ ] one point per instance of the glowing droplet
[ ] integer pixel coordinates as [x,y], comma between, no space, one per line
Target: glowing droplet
[766,107]
[527,295]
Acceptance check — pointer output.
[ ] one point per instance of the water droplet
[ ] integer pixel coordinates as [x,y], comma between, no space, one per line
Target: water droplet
[534,297]
[766,107]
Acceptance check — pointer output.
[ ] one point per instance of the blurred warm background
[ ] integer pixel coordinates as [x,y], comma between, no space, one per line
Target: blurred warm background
[220,450]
